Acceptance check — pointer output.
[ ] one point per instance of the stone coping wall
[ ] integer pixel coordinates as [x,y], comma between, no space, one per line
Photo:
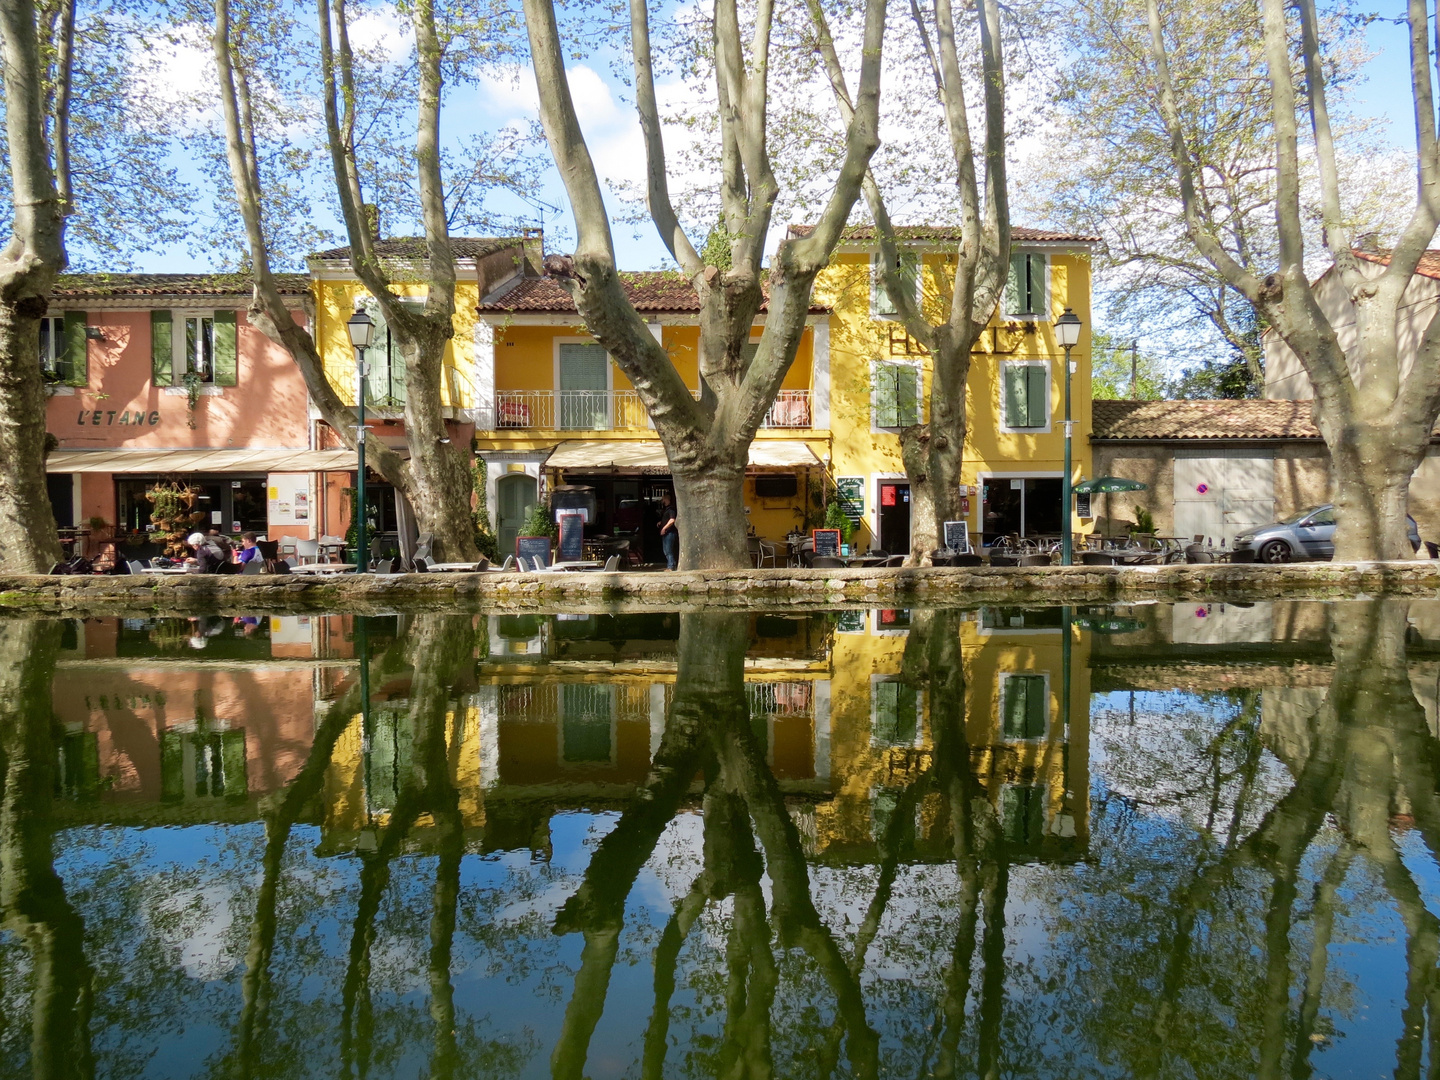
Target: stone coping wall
[746,589]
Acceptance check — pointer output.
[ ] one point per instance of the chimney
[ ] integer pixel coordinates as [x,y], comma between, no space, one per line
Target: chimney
[532,243]
[371,214]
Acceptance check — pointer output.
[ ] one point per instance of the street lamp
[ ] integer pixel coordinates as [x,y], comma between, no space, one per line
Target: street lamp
[361,326]
[1067,335]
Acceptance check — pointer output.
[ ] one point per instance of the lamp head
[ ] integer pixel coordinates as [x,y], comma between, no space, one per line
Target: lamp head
[360,326]
[1067,330]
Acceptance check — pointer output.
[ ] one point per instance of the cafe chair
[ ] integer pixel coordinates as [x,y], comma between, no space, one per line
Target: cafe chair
[763,550]
[307,551]
[1034,559]
[826,562]
[269,549]
[1096,558]
[1003,559]
[135,566]
[894,560]
[509,563]
[254,566]
[1196,554]
[967,558]
[422,564]
[612,564]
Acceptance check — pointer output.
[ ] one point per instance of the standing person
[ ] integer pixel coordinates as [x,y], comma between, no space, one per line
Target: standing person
[669,533]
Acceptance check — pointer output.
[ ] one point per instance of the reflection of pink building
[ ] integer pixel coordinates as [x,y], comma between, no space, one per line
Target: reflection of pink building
[161,376]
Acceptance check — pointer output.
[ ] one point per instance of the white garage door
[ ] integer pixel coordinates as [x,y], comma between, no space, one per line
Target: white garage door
[1221,493]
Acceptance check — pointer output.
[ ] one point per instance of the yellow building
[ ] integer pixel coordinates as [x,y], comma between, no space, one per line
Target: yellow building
[549,409]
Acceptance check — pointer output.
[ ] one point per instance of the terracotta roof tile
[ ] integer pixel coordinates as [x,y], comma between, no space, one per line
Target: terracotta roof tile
[122,286]
[951,232]
[1429,265]
[413,247]
[654,292]
[1250,418]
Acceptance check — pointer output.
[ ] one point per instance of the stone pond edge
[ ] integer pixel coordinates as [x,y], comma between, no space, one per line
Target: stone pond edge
[744,589]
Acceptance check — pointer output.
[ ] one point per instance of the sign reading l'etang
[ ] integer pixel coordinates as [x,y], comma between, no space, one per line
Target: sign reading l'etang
[114,417]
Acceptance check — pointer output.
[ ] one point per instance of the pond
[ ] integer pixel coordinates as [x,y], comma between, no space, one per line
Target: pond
[1189,840]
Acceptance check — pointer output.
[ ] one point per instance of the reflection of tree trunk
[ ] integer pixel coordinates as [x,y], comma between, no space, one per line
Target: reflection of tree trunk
[1323,923]
[33,904]
[440,650]
[667,956]
[743,770]
[255,984]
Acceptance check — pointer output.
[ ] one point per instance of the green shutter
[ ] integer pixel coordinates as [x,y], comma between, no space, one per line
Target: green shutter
[1014,286]
[74,365]
[897,716]
[1022,812]
[907,395]
[1036,304]
[232,751]
[397,374]
[883,306]
[1016,391]
[584,378]
[226,361]
[162,348]
[1024,708]
[887,395]
[172,767]
[1037,378]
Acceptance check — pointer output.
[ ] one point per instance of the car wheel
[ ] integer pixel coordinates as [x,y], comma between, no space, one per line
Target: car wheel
[1275,551]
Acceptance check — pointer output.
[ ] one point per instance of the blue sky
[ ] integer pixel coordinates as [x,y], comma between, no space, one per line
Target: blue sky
[614,139]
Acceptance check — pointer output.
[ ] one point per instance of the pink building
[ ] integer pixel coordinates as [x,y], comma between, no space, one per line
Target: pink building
[158,377]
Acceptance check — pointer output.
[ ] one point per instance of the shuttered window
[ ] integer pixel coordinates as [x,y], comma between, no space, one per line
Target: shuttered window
[1022,814]
[1026,288]
[584,382]
[1025,388]
[897,394]
[162,348]
[587,710]
[202,344]
[63,353]
[385,366]
[881,304]
[1024,707]
[897,714]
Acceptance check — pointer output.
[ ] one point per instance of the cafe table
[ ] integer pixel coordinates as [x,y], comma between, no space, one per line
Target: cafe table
[164,570]
[323,568]
[578,564]
[866,560]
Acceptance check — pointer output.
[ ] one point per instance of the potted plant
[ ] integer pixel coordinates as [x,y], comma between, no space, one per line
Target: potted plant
[1144,523]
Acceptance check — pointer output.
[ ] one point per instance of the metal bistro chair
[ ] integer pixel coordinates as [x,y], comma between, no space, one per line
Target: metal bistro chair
[1035,559]
[1097,558]
[827,562]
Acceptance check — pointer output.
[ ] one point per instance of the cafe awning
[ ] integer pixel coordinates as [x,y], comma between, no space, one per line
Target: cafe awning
[199,461]
[648,454]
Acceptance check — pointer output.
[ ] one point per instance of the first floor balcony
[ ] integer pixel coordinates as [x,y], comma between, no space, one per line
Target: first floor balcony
[610,410]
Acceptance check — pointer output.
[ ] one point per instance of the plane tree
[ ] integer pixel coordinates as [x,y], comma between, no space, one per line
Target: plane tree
[706,440]
[1375,409]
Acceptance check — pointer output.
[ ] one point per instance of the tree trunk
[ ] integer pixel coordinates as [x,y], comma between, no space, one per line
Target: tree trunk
[1371,482]
[934,453]
[710,514]
[28,540]
[439,471]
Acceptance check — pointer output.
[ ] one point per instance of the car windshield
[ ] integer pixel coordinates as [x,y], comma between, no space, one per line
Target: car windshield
[1301,516]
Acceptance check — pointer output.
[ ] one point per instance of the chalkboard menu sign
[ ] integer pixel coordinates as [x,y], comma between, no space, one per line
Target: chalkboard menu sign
[957,536]
[572,535]
[531,548]
[1082,504]
[827,541]
[850,490]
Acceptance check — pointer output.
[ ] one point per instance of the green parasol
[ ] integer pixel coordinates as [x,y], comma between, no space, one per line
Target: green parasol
[1105,485]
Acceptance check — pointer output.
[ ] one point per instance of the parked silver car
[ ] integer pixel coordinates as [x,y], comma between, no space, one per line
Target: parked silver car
[1309,534]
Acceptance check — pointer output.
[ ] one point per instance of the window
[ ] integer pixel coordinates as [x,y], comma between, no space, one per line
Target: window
[1024,706]
[897,394]
[784,486]
[1025,394]
[385,367]
[881,305]
[198,344]
[584,382]
[62,348]
[897,715]
[1022,814]
[202,764]
[1322,517]
[1027,289]
[200,347]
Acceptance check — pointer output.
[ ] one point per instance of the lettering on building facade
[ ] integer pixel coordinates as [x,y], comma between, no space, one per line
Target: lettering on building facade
[108,418]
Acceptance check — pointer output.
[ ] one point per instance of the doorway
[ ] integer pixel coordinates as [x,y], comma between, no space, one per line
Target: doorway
[1020,506]
[894,517]
[516,493]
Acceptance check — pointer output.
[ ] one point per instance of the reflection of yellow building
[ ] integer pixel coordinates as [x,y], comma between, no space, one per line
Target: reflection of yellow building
[1027,748]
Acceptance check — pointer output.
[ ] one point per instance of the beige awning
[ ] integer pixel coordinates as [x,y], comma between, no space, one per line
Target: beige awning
[197,461]
[650,454]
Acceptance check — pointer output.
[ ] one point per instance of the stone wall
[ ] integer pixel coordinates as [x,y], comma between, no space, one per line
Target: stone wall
[745,589]
[1151,464]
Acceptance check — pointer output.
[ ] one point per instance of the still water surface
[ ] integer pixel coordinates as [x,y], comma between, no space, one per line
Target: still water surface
[1175,841]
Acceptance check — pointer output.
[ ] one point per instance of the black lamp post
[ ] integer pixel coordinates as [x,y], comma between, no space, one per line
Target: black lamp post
[360,326]
[1067,335]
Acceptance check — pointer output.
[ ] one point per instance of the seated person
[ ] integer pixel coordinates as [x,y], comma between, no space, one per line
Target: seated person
[248,548]
[208,558]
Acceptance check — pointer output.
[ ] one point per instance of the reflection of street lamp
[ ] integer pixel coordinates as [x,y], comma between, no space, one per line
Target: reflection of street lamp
[1067,335]
[360,327]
